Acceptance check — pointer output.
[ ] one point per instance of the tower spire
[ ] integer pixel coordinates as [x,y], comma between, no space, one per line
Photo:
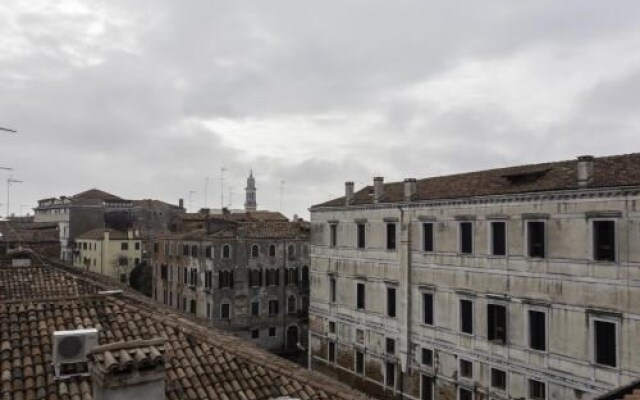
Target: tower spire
[250,202]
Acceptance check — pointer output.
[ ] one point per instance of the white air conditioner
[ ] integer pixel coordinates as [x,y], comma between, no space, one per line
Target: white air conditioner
[73,346]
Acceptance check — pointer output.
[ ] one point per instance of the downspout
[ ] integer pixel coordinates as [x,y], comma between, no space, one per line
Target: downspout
[405,294]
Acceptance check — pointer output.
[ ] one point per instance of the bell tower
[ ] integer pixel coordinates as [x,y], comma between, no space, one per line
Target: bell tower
[250,202]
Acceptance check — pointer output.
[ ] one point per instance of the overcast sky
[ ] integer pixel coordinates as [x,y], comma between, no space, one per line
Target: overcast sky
[147,98]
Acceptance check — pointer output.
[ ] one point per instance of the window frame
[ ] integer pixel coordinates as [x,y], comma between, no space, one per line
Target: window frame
[423,352]
[424,377]
[460,237]
[333,289]
[423,238]
[527,319]
[491,239]
[391,237]
[460,316]
[527,235]
[364,296]
[616,246]
[433,307]
[530,381]
[361,236]
[358,371]
[225,303]
[395,301]
[226,252]
[460,369]
[256,253]
[491,380]
[507,325]
[333,234]
[593,339]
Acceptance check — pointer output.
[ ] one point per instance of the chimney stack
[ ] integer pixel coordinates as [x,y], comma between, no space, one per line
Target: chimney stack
[378,188]
[181,203]
[409,189]
[348,193]
[585,170]
[128,370]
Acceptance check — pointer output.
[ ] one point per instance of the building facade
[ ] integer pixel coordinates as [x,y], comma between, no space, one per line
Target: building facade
[249,277]
[108,252]
[515,283]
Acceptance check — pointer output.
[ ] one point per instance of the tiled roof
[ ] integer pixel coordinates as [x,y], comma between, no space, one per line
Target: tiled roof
[95,194]
[35,283]
[255,230]
[98,234]
[121,356]
[200,362]
[613,171]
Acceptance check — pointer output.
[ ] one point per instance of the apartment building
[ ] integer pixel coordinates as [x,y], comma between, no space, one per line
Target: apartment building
[512,283]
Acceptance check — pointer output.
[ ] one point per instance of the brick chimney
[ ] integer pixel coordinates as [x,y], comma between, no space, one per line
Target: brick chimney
[410,188]
[348,193]
[378,188]
[128,370]
[585,170]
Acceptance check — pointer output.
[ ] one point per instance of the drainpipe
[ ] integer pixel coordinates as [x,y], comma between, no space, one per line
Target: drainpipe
[405,292]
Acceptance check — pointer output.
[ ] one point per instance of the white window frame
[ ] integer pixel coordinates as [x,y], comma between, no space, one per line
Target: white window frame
[473,247]
[490,223]
[527,254]
[592,339]
[504,304]
[546,388]
[592,250]
[433,237]
[527,329]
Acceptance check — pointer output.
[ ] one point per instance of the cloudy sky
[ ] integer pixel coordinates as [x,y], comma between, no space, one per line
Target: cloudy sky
[148,98]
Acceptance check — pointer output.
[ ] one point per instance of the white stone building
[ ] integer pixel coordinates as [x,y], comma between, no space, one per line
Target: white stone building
[514,283]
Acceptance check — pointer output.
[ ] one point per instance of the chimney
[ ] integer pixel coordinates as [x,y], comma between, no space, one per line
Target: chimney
[181,203]
[409,189]
[378,188]
[348,193]
[128,370]
[585,170]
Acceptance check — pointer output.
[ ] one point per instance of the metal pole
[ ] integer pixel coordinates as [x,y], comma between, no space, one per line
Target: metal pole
[206,185]
[222,169]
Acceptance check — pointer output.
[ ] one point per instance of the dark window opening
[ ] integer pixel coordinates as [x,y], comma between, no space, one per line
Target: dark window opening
[359,362]
[497,323]
[466,316]
[225,310]
[537,330]
[333,235]
[537,390]
[391,374]
[255,334]
[465,394]
[255,251]
[255,308]
[391,302]
[536,239]
[391,346]
[332,352]
[466,369]
[604,240]
[426,388]
[605,343]
[427,237]
[427,308]
[498,238]
[391,236]
[466,237]
[360,293]
[498,379]
[226,251]
[272,251]
[273,307]
[361,236]
[427,357]
[332,289]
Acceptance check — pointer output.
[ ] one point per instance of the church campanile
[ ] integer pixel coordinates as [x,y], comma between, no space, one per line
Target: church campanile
[250,202]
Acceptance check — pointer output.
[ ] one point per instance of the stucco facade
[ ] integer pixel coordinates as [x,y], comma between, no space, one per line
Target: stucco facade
[108,252]
[511,296]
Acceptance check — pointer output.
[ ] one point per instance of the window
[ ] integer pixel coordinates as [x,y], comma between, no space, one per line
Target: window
[465,394]
[124,246]
[208,279]
[359,336]
[291,305]
[360,293]
[185,275]
[208,310]
[466,316]
[137,246]
[225,279]
[466,369]
[427,357]
[498,379]
[207,252]
[466,237]
[604,338]
[194,251]
[273,307]
[390,346]
[604,241]
[391,236]
[184,303]
[427,308]
[273,277]
[255,277]
[537,390]
[255,308]
[272,331]
[361,236]
[185,250]
[497,323]
[390,374]
[332,327]
[193,277]
[391,302]
[537,330]
[255,334]
[291,251]
[427,236]
[332,352]
[426,387]
[332,289]
[536,239]
[225,309]
[255,251]
[226,251]
[272,250]
[333,235]
[498,238]
[305,275]
[359,362]
[193,306]
[163,272]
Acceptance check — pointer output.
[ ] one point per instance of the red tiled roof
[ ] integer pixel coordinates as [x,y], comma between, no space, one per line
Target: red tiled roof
[612,171]
[200,362]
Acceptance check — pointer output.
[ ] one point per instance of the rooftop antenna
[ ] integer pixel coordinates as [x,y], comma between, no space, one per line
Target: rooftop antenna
[230,197]
[281,193]
[206,186]
[222,169]
[10,181]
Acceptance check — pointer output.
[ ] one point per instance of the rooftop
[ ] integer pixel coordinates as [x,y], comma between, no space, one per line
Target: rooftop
[611,171]
[200,362]
[98,234]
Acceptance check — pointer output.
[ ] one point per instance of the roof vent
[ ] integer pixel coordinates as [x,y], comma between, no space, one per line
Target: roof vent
[70,349]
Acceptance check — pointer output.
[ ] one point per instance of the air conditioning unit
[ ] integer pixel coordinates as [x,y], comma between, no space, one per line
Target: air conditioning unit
[71,347]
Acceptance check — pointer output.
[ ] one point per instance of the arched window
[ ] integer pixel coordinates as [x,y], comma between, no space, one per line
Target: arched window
[305,275]
[291,305]
[226,251]
[255,251]
[272,250]
[209,252]
[292,250]
[194,251]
